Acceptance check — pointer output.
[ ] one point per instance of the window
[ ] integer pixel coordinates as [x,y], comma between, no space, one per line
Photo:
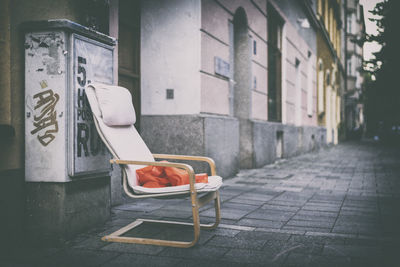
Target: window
[274,65]
[320,87]
[349,70]
[349,24]
[298,101]
[309,86]
[328,79]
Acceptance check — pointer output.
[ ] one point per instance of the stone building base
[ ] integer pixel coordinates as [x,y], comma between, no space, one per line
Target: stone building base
[55,212]
[218,137]
[272,141]
[203,135]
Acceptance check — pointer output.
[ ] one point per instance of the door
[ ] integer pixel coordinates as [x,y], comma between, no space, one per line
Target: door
[129,51]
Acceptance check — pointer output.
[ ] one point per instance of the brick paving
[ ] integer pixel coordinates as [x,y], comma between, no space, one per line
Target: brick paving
[335,207]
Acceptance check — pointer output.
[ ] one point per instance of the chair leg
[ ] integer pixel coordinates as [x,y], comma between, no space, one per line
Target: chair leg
[217,207]
[116,236]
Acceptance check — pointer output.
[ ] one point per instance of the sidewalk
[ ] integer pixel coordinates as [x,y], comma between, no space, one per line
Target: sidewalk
[336,207]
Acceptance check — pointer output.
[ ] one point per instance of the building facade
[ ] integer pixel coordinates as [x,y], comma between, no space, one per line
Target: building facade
[355,36]
[330,73]
[249,86]
[244,82]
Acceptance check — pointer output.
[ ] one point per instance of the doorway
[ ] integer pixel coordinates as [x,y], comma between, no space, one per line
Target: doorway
[129,52]
[275,23]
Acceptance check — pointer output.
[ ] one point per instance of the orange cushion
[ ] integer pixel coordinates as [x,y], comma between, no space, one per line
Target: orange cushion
[159,176]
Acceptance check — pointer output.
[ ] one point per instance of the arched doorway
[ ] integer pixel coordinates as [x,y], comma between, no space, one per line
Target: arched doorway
[242,86]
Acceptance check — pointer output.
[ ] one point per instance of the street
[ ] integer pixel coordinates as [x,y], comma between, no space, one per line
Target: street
[335,207]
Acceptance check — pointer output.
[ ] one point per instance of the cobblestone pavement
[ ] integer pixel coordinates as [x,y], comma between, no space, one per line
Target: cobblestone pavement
[335,207]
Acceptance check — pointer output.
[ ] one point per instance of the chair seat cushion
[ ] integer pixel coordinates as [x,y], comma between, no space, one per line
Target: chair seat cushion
[214,183]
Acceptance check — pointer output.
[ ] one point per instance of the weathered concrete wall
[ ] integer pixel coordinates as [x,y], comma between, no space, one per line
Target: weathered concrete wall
[12,205]
[202,135]
[55,212]
[170,52]
[296,140]
[222,143]
[264,142]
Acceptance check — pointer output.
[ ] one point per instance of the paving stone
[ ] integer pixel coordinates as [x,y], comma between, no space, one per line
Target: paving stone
[246,201]
[306,228]
[141,260]
[270,215]
[317,224]
[26,255]
[260,223]
[226,232]
[358,229]
[297,259]
[213,263]
[93,242]
[314,218]
[79,257]
[256,196]
[239,206]
[132,248]
[227,213]
[279,207]
[281,231]
[352,251]
[249,256]
[317,213]
[197,252]
[329,261]
[237,242]
[345,213]
[258,235]
[290,203]
[319,239]
[321,208]
[140,206]
[163,213]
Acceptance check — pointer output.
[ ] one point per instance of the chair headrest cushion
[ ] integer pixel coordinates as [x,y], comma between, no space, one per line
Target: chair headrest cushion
[115,104]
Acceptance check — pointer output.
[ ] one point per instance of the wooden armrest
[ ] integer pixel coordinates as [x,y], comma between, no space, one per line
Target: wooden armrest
[210,161]
[184,166]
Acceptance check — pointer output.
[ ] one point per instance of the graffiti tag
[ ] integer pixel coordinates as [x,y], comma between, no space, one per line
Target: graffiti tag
[47,119]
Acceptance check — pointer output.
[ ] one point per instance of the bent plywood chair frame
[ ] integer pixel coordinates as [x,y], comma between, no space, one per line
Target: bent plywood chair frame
[196,201]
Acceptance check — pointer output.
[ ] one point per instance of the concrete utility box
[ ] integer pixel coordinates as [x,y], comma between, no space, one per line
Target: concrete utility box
[64,156]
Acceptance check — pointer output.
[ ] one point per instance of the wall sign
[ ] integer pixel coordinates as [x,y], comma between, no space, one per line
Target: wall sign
[93,62]
[221,67]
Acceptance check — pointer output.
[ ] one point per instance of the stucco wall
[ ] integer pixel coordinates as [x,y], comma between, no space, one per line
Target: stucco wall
[216,40]
[298,44]
[332,99]
[170,56]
